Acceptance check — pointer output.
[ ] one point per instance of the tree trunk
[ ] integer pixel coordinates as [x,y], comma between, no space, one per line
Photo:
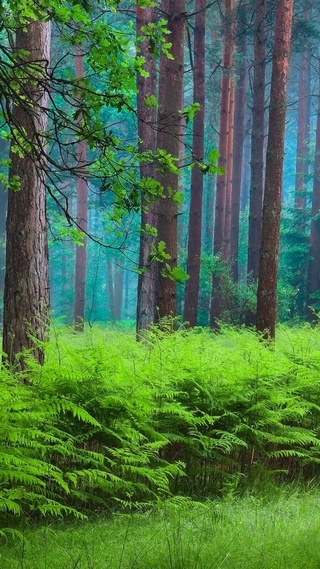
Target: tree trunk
[26,294]
[220,208]
[82,219]
[169,133]
[303,124]
[3,213]
[195,213]
[268,273]
[223,204]
[257,144]
[146,301]
[239,117]
[314,263]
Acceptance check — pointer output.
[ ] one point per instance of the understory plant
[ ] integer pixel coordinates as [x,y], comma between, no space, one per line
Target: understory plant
[109,423]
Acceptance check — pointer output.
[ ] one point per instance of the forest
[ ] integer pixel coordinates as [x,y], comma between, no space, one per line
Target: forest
[160,284]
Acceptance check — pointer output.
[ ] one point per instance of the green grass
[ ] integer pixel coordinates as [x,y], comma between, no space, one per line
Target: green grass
[249,533]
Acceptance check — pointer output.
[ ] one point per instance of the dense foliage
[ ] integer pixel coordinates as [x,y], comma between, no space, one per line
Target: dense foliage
[109,423]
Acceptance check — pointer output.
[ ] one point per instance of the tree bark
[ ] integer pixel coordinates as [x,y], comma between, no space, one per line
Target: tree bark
[169,133]
[195,213]
[220,208]
[147,280]
[257,145]
[303,129]
[268,273]
[26,294]
[221,240]
[82,219]
[239,117]
[314,263]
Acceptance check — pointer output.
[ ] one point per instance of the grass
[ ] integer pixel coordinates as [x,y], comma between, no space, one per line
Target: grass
[248,533]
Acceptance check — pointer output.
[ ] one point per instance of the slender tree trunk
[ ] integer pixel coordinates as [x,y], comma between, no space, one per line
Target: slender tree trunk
[82,220]
[220,208]
[229,181]
[268,273]
[257,144]
[314,263]
[223,204]
[239,118]
[303,125]
[26,294]
[118,291]
[169,133]
[3,213]
[195,213]
[147,280]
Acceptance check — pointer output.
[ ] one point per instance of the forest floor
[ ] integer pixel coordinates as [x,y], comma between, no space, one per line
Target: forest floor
[252,532]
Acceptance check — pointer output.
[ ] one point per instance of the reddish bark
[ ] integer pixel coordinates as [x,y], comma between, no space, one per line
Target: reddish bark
[268,273]
[26,294]
[82,221]
[229,181]
[314,264]
[146,302]
[220,207]
[223,190]
[239,118]
[257,143]
[195,213]
[169,133]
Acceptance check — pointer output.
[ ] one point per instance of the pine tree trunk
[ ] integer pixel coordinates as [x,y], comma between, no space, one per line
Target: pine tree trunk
[239,117]
[169,133]
[314,263]
[220,208]
[303,129]
[82,216]
[222,227]
[195,213]
[147,280]
[257,144]
[3,213]
[26,294]
[268,272]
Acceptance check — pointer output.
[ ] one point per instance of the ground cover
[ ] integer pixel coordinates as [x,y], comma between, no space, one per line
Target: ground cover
[279,532]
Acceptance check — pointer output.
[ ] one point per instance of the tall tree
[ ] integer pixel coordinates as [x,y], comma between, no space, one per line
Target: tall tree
[303,134]
[147,280]
[26,294]
[257,143]
[268,272]
[314,263]
[239,119]
[195,212]
[82,216]
[222,225]
[169,134]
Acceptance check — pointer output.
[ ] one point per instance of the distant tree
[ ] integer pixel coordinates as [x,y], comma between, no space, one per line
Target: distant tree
[268,271]
[195,214]
[26,293]
[81,215]
[314,262]
[239,134]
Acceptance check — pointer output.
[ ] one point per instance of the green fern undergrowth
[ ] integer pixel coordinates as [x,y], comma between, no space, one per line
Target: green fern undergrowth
[110,424]
[278,532]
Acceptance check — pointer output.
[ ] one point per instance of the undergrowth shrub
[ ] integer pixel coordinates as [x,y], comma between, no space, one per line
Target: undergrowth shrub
[111,423]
